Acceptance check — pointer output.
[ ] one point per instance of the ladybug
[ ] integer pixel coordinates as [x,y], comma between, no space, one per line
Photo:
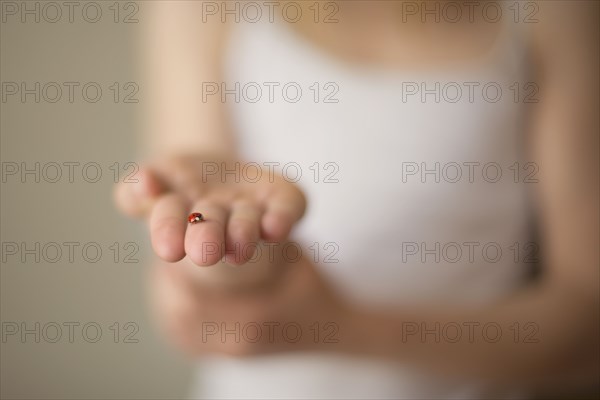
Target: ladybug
[195,217]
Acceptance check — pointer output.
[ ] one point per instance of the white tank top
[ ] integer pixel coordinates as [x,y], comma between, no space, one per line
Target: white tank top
[396,239]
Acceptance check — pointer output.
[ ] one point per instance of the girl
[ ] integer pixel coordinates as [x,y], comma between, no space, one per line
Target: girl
[441,148]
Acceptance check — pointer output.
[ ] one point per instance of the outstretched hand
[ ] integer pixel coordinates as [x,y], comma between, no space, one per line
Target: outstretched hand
[237,213]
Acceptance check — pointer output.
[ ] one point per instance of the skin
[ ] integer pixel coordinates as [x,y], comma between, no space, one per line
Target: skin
[562,139]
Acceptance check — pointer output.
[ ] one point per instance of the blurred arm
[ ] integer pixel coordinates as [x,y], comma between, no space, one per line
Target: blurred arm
[180,52]
[565,301]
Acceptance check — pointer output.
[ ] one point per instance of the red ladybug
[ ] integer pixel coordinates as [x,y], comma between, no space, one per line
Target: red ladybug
[195,217]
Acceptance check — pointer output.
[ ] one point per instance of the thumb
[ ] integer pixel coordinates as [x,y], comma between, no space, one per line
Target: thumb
[135,199]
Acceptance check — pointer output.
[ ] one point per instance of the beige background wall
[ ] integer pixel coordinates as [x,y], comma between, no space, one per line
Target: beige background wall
[81,291]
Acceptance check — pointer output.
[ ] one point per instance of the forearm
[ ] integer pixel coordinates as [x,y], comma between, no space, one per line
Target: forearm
[528,339]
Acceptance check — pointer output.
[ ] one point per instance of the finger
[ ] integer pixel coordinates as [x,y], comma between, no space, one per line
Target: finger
[284,207]
[135,199]
[243,232]
[167,227]
[205,241]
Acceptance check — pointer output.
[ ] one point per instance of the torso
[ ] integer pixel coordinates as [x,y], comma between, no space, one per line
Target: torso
[370,213]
